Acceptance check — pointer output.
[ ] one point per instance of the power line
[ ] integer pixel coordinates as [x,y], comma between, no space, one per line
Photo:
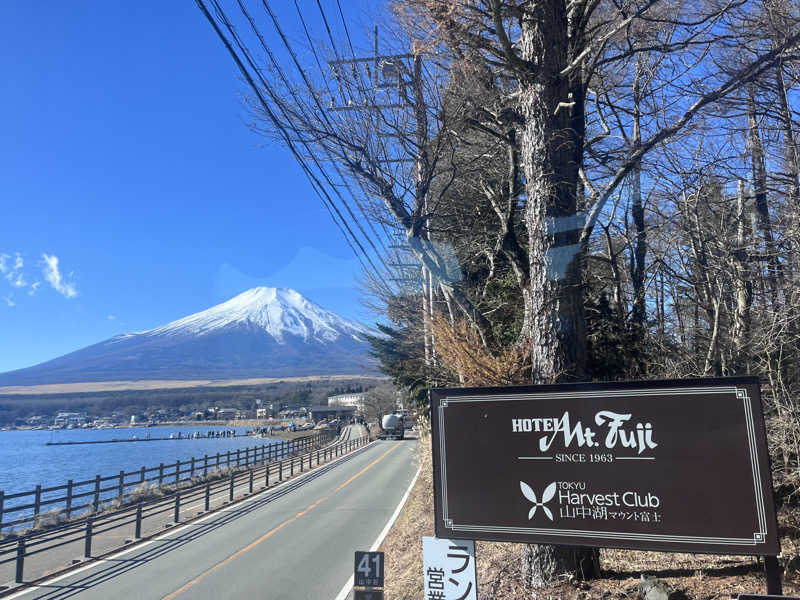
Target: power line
[282,108]
[316,184]
[311,90]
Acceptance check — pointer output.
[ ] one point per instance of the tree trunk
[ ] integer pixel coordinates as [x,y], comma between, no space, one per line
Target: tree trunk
[760,192]
[744,285]
[639,252]
[549,147]
[789,141]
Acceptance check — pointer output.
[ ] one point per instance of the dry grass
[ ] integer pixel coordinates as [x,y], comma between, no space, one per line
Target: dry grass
[700,577]
[164,384]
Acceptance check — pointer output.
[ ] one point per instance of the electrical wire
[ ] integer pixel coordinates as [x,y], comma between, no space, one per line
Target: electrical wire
[315,183]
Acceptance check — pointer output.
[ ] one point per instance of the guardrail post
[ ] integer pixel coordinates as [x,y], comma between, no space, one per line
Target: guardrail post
[217,460]
[68,508]
[291,467]
[177,516]
[142,474]
[266,476]
[208,496]
[160,474]
[280,471]
[317,457]
[191,470]
[20,560]
[2,499]
[87,543]
[121,490]
[177,471]
[251,480]
[96,500]
[138,532]
[230,491]
[37,504]
[302,460]
[238,458]
[205,465]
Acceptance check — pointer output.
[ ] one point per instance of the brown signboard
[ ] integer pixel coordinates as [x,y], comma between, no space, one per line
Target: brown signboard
[658,465]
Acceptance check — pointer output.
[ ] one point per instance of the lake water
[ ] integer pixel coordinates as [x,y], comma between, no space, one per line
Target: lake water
[26,460]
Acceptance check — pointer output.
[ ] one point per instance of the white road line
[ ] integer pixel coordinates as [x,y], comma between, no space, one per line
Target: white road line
[31,588]
[345,591]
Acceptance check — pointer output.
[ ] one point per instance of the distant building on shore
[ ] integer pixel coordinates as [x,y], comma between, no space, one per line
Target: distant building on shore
[65,419]
[355,400]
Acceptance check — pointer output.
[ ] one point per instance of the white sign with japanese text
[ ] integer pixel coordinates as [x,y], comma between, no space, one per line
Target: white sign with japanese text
[449,569]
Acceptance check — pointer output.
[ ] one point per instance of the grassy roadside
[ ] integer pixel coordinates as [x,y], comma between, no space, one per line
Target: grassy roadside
[698,577]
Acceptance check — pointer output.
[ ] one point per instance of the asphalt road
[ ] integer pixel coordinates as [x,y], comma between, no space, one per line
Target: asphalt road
[294,542]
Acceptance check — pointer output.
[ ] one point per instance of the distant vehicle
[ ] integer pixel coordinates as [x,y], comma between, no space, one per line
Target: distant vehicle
[392,426]
[322,425]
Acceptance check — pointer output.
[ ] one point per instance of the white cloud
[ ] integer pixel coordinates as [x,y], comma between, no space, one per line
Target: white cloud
[18,281]
[53,277]
[111,317]
[9,301]
[34,287]
[13,271]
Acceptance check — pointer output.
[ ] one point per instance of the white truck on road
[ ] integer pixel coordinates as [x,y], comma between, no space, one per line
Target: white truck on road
[392,426]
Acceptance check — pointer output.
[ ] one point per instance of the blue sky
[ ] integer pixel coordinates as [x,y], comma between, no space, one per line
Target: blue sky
[133,192]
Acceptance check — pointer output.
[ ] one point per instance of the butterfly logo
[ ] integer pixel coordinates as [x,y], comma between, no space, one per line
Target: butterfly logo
[547,495]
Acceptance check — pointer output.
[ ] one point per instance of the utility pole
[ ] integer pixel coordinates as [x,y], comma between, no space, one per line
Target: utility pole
[385,68]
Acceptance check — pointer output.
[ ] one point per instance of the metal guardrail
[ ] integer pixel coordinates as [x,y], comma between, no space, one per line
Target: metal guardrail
[86,528]
[62,502]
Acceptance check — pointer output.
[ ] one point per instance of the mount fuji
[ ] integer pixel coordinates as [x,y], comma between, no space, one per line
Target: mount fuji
[263,332]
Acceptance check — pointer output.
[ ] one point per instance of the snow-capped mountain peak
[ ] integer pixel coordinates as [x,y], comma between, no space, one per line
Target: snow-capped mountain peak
[263,332]
[277,311]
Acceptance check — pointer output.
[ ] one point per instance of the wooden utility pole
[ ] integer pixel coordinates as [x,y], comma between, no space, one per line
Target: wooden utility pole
[389,67]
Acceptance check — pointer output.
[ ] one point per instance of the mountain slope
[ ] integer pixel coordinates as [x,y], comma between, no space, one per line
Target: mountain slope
[263,332]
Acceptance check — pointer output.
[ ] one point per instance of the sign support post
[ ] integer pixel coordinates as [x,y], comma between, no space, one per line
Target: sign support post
[773,573]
